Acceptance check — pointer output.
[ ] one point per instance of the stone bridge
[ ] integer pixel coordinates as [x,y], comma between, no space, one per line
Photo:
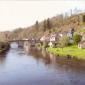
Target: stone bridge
[25,42]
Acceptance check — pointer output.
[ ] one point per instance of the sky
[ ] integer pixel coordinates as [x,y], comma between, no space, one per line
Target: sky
[15,14]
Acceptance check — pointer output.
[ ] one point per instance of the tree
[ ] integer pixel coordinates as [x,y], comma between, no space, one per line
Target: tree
[2,37]
[49,24]
[44,25]
[64,41]
[37,25]
[77,38]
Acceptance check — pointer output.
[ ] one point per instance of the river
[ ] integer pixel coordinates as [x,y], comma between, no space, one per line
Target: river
[37,67]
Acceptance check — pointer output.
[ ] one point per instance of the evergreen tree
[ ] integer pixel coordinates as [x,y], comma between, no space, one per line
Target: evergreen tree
[44,25]
[48,24]
[37,25]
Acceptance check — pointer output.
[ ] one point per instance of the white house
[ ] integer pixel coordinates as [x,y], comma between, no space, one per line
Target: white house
[53,39]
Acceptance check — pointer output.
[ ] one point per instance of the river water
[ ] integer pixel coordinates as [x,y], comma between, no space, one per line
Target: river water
[37,67]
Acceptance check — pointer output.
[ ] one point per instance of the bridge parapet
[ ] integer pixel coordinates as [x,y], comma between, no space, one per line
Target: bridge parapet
[25,42]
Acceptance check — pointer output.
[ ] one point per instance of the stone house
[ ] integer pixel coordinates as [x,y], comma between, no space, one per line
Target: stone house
[81,44]
[83,36]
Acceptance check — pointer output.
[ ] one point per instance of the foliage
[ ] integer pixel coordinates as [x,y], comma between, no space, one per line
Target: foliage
[37,25]
[4,46]
[44,25]
[77,38]
[38,45]
[2,37]
[64,41]
[49,26]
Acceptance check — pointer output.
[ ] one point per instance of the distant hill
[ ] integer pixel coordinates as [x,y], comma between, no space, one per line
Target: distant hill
[57,23]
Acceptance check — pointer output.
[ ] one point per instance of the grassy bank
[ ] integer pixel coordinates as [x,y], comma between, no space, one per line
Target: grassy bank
[73,51]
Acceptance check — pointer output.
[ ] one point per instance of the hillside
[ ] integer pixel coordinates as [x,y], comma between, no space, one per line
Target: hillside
[59,23]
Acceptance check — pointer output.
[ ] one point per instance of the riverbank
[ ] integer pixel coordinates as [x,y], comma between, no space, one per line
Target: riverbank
[73,51]
[4,46]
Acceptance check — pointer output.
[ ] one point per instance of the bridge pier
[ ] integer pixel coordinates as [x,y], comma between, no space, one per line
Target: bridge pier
[26,44]
[20,44]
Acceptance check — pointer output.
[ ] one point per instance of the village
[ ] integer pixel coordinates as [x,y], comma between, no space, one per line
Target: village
[65,43]
[53,39]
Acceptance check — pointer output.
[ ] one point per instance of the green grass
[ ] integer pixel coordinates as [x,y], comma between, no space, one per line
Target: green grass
[70,50]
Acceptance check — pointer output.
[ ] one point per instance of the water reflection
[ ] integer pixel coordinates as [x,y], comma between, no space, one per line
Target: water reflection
[57,62]
[73,70]
[2,58]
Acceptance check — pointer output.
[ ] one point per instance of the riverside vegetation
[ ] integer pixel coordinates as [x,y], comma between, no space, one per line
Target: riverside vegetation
[4,45]
[73,51]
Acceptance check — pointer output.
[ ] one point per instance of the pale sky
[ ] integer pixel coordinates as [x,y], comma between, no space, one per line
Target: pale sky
[14,14]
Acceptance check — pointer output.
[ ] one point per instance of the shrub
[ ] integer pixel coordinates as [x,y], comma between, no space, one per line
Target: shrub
[77,38]
[64,41]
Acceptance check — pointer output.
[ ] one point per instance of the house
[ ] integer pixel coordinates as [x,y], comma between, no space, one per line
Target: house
[53,39]
[81,44]
[45,38]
